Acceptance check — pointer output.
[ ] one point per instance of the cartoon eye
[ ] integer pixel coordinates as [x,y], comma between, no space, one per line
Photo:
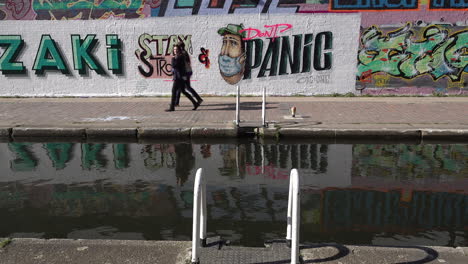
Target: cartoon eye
[233,43]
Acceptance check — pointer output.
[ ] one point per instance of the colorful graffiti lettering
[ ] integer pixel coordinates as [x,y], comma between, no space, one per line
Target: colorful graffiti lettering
[18,8]
[271,31]
[398,54]
[448,4]
[156,58]
[84,9]
[364,5]
[204,57]
[50,57]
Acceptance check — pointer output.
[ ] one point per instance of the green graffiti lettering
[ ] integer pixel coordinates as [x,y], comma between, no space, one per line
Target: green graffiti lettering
[114,54]
[295,62]
[325,39]
[271,58]
[48,57]
[82,54]
[13,45]
[256,56]
[396,53]
[308,38]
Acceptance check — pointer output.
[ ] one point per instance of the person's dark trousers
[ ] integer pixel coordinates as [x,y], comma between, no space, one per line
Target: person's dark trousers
[189,89]
[178,87]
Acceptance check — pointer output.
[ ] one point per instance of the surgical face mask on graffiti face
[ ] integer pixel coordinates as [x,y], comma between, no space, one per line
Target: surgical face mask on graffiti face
[230,66]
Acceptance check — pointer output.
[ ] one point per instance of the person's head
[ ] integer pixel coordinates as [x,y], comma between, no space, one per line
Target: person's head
[181,44]
[176,50]
[232,56]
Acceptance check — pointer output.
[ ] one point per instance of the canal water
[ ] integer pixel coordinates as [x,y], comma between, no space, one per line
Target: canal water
[381,194]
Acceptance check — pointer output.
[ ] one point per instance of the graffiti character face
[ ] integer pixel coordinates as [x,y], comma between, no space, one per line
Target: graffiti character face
[231,60]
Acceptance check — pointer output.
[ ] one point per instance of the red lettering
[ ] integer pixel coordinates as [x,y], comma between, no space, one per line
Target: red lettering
[272,31]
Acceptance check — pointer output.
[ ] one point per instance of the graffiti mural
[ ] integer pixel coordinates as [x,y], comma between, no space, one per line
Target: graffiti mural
[155,53]
[231,59]
[448,4]
[409,52]
[381,5]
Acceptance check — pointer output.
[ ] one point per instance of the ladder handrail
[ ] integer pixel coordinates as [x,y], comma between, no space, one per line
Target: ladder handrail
[199,215]
[293,219]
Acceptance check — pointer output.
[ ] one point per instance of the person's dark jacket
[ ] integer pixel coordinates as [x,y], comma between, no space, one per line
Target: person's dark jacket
[178,67]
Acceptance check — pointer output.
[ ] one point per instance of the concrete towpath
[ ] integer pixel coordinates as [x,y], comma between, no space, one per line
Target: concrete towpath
[332,117]
[67,251]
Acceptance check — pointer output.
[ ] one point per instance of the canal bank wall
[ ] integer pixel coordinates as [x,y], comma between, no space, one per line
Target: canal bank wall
[64,251]
[292,47]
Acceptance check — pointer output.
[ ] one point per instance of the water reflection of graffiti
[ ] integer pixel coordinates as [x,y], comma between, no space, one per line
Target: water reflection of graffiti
[25,159]
[155,53]
[122,184]
[159,156]
[398,54]
[304,156]
[410,161]
[367,210]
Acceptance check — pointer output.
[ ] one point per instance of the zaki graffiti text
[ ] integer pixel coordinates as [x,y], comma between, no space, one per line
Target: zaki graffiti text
[49,56]
[399,54]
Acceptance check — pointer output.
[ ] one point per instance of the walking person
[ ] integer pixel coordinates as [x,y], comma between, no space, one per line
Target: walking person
[188,70]
[179,75]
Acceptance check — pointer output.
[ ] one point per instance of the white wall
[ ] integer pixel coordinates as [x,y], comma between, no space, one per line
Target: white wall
[203,30]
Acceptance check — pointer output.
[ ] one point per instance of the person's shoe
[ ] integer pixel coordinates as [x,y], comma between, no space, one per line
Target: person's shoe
[169,110]
[177,105]
[201,101]
[196,106]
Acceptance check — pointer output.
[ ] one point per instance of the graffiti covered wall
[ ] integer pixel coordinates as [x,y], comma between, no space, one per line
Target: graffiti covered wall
[133,57]
[404,47]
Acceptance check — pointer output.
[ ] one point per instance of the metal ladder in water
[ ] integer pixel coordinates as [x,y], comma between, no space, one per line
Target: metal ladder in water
[200,215]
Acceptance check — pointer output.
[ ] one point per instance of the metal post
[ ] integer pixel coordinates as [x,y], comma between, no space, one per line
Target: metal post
[238,106]
[264,107]
[294,200]
[196,215]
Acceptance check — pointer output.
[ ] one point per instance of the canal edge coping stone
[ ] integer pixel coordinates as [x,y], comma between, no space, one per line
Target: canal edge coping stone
[148,132]
[19,132]
[454,135]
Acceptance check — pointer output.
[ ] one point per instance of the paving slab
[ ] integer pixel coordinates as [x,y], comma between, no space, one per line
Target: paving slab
[65,251]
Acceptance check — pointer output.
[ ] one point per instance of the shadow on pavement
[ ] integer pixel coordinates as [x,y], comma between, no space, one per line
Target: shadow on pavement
[343,251]
[243,106]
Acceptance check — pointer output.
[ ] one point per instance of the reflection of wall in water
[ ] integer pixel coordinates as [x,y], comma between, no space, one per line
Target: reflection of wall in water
[368,210]
[410,161]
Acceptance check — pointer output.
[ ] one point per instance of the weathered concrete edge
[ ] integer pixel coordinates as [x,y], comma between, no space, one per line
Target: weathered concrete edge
[426,134]
[148,132]
[213,132]
[19,132]
[457,135]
